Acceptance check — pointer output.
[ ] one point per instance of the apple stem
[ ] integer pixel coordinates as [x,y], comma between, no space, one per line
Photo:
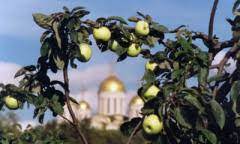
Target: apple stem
[75,121]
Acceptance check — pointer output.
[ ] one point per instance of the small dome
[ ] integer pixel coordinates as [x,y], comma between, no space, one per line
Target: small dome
[136,100]
[112,84]
[83,105]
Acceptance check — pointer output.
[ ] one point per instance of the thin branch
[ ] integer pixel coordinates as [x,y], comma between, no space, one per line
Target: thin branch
[225,44]
[211,22]
[67,95]
[69,121]
[134,132]
[177,29]
[216,46]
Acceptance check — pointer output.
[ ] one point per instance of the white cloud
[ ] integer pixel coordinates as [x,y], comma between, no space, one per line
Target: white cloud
[7,71]
[217,60]
[89,77]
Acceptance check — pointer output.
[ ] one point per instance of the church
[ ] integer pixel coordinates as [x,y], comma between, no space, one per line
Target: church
[112,107]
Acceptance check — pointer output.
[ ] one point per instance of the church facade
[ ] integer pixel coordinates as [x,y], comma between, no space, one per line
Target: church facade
[111,109]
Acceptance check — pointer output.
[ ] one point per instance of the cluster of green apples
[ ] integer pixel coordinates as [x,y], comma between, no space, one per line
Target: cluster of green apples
[104,34]
[11,102]
[152,124]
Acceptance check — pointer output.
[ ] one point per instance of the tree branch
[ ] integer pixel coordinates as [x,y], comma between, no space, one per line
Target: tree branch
[216,46]
[211,22]
[74,119]
[134,132]
[211,52]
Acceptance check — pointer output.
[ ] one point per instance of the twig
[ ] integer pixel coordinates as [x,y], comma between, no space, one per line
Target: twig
[69,121]
[134,132]
[177,29]
[74,119]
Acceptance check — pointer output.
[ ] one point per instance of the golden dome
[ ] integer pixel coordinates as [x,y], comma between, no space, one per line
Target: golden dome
[83,105]
[112,84]
[136,100]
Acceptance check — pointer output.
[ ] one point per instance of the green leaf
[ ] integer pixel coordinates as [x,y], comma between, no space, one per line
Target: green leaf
[133,19]
[185,44]
[59,63]
[118,18]
[42,20]
[159,28]
[128,127]
[218,113]
[177,74]
[151,41]
[202,76]
[234,95]
[73,100]
[210,136]
[57,35]
[73,65]
[216,78]
[56,105]
[237,122]
[235,6]
[24,70]
[45,48]
[149,77]
[194,101]
[180,119]
[141,14]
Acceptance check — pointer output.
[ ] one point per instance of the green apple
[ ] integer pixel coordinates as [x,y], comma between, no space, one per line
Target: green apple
[11,102]
[102,33]
[152,124]
[133,50]
[151,92]
[151,66]
[142,28]
[85,52]
[114,45]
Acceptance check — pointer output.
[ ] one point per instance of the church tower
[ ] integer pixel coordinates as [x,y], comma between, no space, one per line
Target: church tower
[111,96]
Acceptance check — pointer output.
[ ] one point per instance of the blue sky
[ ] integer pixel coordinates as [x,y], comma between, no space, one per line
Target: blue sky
[19,36]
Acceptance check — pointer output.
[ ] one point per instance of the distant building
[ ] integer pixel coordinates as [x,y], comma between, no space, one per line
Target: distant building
[111,106]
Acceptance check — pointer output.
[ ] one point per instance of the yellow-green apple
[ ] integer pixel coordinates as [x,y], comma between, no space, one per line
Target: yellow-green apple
[114,45]
[133,50]
[142,28]
[152,125]
[85,52]
[102,33]
[150,66]
[151,92]
[11,102]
